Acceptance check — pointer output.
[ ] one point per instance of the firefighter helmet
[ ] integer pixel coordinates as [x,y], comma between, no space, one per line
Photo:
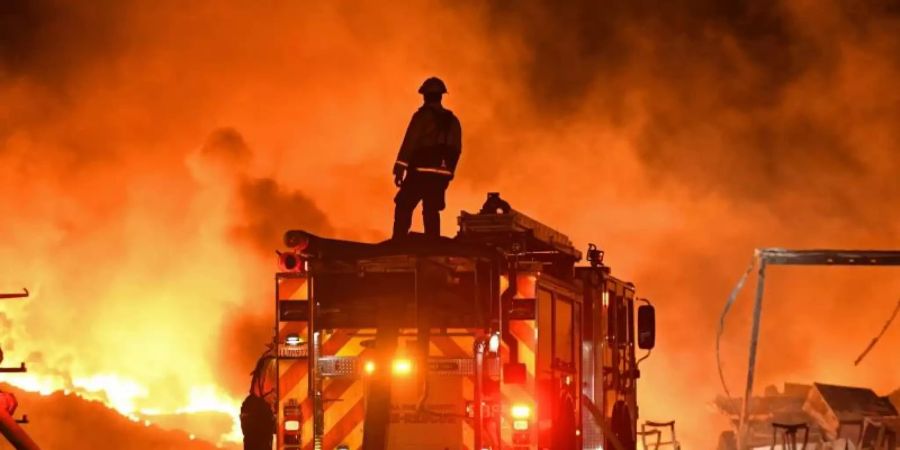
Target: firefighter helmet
[433,85]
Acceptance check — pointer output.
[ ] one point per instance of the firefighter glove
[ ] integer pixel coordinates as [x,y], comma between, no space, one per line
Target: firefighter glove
[399,171]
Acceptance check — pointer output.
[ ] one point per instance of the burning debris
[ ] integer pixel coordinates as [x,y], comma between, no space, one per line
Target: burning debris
[61,420]
[826,410]
[821,415]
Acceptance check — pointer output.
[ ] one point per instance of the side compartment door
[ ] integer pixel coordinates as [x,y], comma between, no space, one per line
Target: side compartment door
[558,368]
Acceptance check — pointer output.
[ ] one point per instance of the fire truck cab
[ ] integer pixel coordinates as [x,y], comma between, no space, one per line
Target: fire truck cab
[493,339]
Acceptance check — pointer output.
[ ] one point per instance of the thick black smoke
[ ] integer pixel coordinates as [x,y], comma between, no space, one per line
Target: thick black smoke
[262,209]
[743,98]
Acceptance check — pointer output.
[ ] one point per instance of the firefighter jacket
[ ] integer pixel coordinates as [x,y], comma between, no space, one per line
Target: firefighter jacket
[433,142]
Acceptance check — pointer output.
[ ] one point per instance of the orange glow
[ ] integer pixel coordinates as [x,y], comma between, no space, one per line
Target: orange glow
[152,158]
[369,367]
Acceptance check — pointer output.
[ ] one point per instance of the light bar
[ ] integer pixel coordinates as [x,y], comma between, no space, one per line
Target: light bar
[354,366]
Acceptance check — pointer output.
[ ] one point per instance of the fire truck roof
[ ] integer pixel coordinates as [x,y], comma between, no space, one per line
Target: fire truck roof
[494,230]
[415,244]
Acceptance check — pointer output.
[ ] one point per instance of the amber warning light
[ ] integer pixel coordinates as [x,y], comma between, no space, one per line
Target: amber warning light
[399,367]
[402,366]
[292,419]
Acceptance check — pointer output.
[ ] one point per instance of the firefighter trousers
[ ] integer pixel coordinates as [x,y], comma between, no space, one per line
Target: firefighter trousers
[429,188]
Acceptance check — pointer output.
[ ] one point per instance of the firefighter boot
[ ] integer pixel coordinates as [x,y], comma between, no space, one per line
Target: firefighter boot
[432,220]
[402,220]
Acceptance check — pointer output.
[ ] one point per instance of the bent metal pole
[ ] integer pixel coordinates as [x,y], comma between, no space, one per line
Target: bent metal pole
[751,366]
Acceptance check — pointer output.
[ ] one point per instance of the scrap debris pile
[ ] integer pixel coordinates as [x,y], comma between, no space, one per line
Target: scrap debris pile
[822,416]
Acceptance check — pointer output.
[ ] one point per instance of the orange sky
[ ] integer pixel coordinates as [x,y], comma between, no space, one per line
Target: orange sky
[151,156]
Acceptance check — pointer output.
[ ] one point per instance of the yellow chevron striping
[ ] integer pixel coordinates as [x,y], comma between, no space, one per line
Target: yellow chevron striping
[292,288]
[337,408]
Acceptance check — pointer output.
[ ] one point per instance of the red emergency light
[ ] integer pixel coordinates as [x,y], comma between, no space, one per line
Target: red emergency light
[291,261]
[293,421]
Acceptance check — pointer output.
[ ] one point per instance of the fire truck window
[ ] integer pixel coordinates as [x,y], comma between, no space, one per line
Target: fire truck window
[630,324]
[611,316]
[545,318]
[623,318]
[578,337]
[564,330]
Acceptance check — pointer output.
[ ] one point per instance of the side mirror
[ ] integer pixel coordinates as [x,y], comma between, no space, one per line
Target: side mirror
[646,327]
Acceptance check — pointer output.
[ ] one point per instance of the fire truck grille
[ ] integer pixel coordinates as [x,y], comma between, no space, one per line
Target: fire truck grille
[451,366]
[339,366]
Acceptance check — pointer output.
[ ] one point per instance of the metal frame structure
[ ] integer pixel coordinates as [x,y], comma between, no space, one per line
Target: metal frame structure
[779,256]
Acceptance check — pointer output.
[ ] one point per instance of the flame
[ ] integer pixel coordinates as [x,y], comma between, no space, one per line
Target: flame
[133,399]
[118,393]
[211,399]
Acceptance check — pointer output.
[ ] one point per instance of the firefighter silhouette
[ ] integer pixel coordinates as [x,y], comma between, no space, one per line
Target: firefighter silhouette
[257,423]
[426,161]
[257,417]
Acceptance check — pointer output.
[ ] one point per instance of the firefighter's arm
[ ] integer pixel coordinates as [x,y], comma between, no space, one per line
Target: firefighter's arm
[453,159]
[408,145]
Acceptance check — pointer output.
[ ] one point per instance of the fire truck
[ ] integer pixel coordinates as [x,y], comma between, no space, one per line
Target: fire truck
[493,339]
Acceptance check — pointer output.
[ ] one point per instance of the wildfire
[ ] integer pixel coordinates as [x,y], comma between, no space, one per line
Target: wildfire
[679,138]
[133,400]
